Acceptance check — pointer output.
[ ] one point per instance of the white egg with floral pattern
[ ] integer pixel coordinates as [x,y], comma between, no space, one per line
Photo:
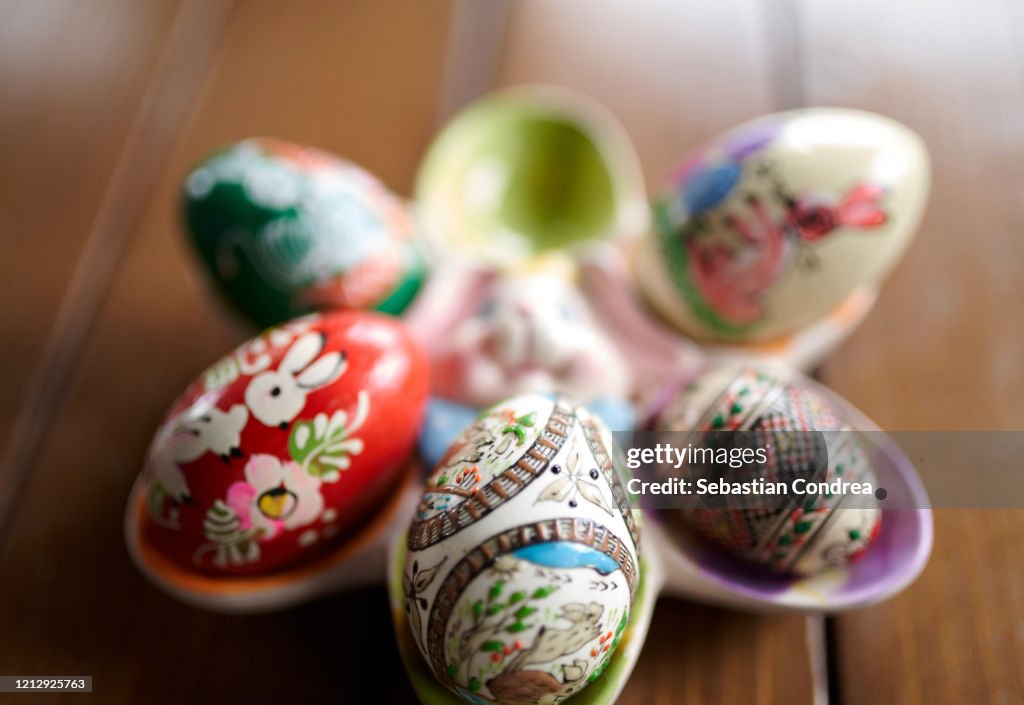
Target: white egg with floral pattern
[522,557]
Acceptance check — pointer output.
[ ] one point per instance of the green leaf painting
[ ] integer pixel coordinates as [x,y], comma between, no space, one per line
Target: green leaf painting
[519,425]
[324,446]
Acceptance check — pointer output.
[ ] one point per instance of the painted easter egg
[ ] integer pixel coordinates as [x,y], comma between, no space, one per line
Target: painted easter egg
[522,557]
[798,517]
[283,448]
[770,226]
[285,229]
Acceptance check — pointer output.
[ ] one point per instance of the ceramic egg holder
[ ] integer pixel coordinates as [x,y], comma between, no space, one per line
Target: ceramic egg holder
[535,195]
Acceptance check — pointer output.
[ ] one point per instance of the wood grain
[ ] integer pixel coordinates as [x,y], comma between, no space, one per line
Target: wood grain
[74,78]
[674,73]
[696,654]
[326,73]
[943,349]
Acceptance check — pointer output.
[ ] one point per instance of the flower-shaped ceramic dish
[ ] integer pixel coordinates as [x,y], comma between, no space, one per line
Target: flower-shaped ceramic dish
[541,173]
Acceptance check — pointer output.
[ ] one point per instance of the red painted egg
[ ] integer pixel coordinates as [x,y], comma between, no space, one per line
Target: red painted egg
[286,446]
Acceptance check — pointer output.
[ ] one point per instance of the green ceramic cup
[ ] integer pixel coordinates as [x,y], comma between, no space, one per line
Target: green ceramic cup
[530,171]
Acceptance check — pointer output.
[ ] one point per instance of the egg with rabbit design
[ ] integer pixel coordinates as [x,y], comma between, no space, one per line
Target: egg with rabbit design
[285,446]
[522,557]
[532,332]
[770,226]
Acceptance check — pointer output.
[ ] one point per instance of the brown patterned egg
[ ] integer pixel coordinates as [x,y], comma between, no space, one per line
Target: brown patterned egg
[809,504]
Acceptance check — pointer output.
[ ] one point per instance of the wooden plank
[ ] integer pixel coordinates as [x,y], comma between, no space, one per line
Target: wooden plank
[676,74]
[174,83]
[696,654]
[361,79]
[474,53]
[943,349]
[73,78]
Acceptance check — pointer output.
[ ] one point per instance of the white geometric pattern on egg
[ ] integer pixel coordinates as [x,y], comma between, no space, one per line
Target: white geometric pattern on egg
[519,587]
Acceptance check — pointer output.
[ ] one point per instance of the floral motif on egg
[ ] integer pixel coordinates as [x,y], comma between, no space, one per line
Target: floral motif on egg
[578,482]
[732,230]
[294,427]
[275,496]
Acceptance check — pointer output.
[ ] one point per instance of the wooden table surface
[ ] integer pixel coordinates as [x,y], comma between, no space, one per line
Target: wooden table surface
[103,106]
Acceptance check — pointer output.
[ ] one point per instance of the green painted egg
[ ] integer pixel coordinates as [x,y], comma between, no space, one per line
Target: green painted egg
[284,229]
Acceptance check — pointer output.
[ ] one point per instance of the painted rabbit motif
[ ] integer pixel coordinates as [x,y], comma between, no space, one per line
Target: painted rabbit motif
[532,333]
[552,644]
[736,249]
[198,429]
[517,686]
[276,397]
[814,216]
[253,358]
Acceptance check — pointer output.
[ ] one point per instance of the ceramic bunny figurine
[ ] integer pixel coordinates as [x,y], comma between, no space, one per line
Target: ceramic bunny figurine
[533,332]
